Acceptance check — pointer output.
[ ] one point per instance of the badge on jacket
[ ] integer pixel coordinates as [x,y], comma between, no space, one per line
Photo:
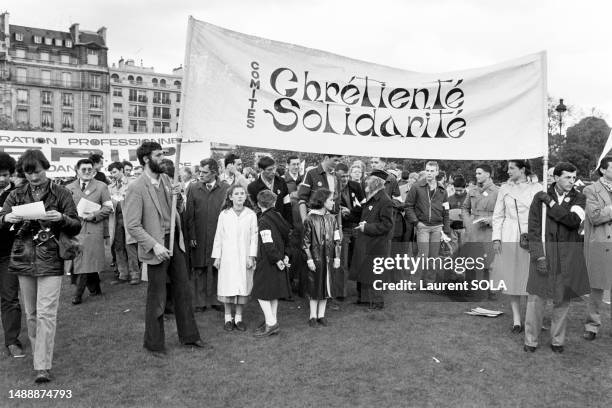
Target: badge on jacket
[370,207]
[319,183]
[484,193]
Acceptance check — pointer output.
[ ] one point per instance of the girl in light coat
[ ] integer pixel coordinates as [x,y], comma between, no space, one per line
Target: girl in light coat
[234,253]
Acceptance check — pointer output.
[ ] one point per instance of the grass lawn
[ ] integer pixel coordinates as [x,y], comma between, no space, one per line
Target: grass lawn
[378,359]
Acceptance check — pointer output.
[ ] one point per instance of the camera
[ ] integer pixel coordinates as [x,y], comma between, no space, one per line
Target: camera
[42,236]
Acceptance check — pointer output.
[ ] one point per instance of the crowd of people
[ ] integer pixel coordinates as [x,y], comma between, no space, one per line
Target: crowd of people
[265,234]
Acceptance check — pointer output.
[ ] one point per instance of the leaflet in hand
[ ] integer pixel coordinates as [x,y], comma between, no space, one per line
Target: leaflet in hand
[86,207]
[32,211]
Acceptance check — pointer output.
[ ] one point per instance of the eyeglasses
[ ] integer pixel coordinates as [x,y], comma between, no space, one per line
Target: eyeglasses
[86,170]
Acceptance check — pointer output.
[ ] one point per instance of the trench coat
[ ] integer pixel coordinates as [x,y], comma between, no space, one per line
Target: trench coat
[269,282]
[235,240]
[322,239]
[567,275]
[201,215]
[479,203]
[598,235]
[375,240]
[512,265]
[92,258]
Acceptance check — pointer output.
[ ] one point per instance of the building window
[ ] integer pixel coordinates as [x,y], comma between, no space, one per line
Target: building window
[139,111]
[156,97]
[22,74]
[95,102]
[67,100]
[142,126]
[45,77]
[166,113]
[46,98]
[68,43]
[115,78]
[18,37]
[139,80]
[131,79]
[117,92]
[46,120]
[133,126]
[37,39]
[177,84]
[142,96]
[22,116]
[165,98]
[117,123]
[58,42]
[138,96]
[66,79]
[157,127]
[96,81]
[44,56]
[117,107]
[165,127]
[65,59]
[20,53]
[178,110]
[67,122]
[154,81]
[95,123]
[162,83]
[178,97]
[48,41]
[22,96]
[92,57]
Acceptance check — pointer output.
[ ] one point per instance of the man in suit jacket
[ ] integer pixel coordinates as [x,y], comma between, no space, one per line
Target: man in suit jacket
[148,218]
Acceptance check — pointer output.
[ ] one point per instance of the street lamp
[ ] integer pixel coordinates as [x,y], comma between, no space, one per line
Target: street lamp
[561,109]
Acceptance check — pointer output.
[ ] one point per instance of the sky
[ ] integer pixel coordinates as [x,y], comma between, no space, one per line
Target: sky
[416,35]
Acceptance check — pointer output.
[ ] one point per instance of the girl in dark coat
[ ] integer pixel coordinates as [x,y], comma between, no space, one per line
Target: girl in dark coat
[270,281]
[322,246]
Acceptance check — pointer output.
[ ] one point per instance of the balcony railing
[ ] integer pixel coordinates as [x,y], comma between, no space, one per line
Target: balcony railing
[59,83]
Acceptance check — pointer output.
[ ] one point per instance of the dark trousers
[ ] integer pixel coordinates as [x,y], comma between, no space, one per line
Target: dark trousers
[176,270]
[91,280]
[9,306]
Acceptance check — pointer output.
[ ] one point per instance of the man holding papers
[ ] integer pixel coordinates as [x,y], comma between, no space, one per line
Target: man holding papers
[94,205]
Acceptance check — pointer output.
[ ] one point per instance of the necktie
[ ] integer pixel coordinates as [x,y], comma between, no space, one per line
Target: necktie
[83,185]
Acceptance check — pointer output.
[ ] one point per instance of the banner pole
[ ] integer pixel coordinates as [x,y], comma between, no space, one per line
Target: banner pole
[179,139]
[545,180]
[545,135]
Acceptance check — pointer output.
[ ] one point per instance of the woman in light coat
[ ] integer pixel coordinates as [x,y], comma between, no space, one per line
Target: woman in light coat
[510,220]
[234,253]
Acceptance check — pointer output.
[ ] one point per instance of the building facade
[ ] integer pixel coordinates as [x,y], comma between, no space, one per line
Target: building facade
[53,80]
[142,100]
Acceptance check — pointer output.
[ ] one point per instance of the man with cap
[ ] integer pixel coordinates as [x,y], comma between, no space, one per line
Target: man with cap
[455,203]
[373,239]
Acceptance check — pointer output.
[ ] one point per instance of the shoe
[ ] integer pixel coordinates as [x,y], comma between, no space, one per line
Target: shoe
[228,326]
[218,308]
[15,351]
[517,328]
[200,309]
[199,344]
[96,293]
[157,353]
[261,327]
[267,331]
[118,281]
[240,326]
[42,376]
[556,349]
[589,335]
[322,321]
[529,349]
[312,322]
[77,300]
[135,281]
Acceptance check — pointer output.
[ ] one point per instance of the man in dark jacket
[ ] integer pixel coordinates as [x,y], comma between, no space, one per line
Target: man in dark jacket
[557,272]
[373,239]
[298,263]
[9,284]
[204,203]
[427,207]
[268,180]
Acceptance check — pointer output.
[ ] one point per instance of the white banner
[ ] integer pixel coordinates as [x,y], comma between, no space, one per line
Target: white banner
[63,150]
[251,91]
